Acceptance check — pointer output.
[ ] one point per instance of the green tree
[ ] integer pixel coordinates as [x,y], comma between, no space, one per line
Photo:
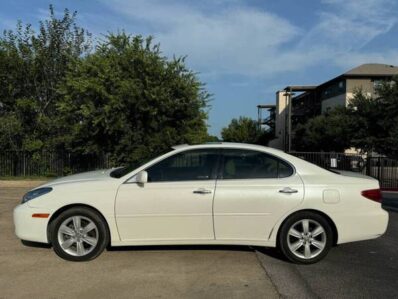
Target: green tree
[367,123]
[31,67]
[376,120]
[128,100]
[245,130]
[329,132]
[122,98]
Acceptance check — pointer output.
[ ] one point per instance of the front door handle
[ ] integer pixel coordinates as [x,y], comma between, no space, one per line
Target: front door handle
[288,190]
[202,191]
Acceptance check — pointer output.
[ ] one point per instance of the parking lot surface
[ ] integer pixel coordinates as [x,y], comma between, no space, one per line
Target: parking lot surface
[133,272]
[367,269]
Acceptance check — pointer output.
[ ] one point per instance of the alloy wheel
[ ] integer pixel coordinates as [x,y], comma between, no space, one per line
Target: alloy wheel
[306,238]
[78,235]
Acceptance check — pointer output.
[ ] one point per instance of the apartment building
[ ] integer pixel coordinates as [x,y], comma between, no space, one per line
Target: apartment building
[297,103]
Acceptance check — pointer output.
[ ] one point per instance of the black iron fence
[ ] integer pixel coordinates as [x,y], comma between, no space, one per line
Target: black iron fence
[382,168]
[21,163]
[341,161]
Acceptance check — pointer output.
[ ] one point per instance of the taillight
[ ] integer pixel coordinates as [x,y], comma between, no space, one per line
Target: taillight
[372,194]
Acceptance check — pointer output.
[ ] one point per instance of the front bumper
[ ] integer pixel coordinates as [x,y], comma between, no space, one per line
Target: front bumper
[28,228]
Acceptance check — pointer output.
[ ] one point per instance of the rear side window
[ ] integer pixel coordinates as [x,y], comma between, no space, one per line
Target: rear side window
[247,164]
[186,166]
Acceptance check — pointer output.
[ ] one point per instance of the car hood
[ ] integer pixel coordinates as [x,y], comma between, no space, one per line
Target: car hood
[97,175]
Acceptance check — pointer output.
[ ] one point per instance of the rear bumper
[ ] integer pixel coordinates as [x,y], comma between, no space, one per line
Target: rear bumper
[29,228]
[361,226]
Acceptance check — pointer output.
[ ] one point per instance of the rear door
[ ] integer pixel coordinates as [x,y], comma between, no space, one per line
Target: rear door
[254,190]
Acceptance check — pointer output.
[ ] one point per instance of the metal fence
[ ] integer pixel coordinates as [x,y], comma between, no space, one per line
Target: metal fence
[383,169]
[21,163]
[341,161]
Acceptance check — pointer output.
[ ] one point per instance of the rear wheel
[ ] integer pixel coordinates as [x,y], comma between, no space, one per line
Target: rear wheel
[79,234]
[305,238]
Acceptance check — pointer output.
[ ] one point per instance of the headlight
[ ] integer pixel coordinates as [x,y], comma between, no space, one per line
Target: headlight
[36,193]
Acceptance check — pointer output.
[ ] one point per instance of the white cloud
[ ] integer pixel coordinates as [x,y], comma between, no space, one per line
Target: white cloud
[353,59]
[350,24]
[231,37]
[236,39]
[343,29]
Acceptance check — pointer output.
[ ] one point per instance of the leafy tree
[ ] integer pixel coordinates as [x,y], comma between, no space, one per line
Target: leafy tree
[212,138]
[128,100]
[31,67]
[11,132]
[330,132]
[245,130]
[369,124]
[376,120]
[122,98]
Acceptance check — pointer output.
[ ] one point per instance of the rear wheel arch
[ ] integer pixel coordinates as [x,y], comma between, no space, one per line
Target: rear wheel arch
[324,215]
[67,207]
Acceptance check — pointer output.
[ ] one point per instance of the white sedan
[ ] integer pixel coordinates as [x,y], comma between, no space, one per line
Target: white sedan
[219,193]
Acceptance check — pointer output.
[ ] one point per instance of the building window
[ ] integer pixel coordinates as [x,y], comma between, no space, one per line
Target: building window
[377,83]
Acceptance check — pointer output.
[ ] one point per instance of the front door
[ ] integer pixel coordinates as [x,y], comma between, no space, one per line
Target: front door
[175,205]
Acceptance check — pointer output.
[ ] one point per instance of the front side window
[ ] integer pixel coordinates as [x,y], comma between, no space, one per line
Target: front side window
[246,164]
[186,166]
[122,171]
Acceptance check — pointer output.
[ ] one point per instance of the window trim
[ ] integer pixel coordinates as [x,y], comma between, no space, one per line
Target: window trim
[214,174]
[221,165]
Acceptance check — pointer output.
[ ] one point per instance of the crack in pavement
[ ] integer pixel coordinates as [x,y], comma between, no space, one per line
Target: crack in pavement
[286,278]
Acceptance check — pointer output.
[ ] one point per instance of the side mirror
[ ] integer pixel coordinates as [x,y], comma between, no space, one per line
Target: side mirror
[141,177]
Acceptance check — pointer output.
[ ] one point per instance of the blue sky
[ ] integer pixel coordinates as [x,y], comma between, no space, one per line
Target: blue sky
[243,50]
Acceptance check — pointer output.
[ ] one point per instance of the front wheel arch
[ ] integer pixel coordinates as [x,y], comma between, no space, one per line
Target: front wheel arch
[328,219]
[67,207]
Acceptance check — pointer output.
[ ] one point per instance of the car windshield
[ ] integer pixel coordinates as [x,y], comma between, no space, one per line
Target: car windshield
[122,171]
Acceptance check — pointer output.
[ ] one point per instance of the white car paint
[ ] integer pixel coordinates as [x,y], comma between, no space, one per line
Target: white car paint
[252,207]
[247,212]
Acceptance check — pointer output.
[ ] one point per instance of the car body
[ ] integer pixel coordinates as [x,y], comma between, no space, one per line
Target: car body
[219,193]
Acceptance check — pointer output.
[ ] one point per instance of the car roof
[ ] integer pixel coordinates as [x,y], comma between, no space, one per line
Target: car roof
[227,145]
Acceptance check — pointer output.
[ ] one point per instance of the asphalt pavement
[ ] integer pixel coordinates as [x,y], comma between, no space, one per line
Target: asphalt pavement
[132,272]
[367,269]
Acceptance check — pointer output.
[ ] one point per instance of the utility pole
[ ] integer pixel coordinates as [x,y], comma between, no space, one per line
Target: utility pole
[288,119]
[259,116]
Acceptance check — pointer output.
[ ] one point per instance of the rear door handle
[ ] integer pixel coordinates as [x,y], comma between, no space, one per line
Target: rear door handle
[202,191]
[288,190]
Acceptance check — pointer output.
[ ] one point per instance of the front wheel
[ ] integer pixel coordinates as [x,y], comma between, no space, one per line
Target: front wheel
[79,234]
[305,238]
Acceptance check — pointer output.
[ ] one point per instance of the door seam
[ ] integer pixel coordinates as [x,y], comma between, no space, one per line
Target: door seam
[212,209]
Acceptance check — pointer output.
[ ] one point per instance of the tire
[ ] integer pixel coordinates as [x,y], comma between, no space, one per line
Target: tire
[79,234]
[305,237]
